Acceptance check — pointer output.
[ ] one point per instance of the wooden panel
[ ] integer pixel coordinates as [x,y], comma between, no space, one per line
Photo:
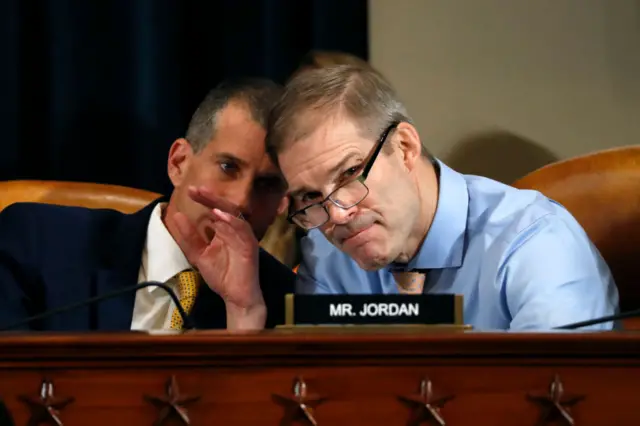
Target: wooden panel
[362,395]
[362,375]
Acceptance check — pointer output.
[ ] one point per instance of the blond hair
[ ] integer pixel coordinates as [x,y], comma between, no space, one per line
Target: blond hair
[326,58]
[340,91]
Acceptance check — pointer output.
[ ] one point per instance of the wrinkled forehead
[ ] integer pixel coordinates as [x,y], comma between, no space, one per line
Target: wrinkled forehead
[312,161]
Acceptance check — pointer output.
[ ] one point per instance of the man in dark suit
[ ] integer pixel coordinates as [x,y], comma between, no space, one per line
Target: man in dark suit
[52,256]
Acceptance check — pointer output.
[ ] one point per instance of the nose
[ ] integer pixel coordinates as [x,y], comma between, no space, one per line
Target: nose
[340,216]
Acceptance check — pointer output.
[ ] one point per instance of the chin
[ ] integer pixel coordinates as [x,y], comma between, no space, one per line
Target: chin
[371,264]
[370,259]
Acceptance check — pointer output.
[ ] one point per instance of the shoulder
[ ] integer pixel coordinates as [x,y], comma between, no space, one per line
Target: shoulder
[524,229]
[31,218]
[272,271]
[499,202]
[55,219]
[512,216]
[269,262]
[50,213]
[50,226]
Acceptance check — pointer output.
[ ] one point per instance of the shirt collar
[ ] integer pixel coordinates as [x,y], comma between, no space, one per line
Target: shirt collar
[443,246]
[164,257]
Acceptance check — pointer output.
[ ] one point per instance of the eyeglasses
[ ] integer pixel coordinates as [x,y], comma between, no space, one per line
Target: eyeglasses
[345,196]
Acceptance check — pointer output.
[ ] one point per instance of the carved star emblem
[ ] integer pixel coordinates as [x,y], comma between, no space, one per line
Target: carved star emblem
[556,404]
[172,403]
[300,405]
[427,405]
[45,408]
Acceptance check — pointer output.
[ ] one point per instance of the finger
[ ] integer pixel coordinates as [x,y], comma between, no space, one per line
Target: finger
[233,238]
[188,239]
[238,223]
[207,198]
[284,205]
[231,230]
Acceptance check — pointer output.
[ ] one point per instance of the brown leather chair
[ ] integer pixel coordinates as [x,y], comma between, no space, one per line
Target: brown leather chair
[602,191]
[92,195]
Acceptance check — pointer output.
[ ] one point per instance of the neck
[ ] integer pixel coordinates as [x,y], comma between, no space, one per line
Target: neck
[166,215]
[426,183]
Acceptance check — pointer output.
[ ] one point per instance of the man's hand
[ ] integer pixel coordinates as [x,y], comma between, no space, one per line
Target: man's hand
[227,260]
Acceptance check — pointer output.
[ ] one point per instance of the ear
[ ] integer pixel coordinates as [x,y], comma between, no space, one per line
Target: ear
[407,141]
[180,155]
[284,205]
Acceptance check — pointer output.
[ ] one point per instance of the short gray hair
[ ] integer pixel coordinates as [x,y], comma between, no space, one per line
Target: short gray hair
[312,97]
[258,94]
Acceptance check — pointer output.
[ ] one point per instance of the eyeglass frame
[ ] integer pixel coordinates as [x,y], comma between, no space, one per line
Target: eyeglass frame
[366,168]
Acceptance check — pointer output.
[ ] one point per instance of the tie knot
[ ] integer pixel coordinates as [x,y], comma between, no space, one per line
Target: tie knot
[409,282]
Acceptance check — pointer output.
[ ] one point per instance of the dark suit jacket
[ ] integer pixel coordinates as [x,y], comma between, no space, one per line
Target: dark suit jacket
[52,256]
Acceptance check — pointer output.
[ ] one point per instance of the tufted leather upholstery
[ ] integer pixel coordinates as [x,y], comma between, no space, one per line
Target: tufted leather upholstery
[602,191]
[92,195]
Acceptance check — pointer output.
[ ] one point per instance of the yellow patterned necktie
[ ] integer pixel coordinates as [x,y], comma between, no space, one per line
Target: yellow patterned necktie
[188,282]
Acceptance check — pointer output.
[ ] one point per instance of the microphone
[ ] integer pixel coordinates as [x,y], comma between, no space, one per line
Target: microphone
[595,321]
[186,321]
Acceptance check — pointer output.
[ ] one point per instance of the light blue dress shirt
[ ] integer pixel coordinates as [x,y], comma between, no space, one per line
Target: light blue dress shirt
[521,261]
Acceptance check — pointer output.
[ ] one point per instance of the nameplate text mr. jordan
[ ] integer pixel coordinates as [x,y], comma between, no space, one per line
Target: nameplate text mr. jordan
[376,309]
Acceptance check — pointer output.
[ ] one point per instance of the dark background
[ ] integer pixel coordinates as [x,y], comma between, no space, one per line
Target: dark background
[97,91]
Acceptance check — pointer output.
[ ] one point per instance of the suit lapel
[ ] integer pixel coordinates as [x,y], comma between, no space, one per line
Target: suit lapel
[119,267]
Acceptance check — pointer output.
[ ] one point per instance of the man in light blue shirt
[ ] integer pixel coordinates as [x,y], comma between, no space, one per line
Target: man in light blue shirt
[386,217]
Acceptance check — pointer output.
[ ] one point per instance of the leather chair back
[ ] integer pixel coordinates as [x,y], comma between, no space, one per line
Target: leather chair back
[92,195]
[602,191]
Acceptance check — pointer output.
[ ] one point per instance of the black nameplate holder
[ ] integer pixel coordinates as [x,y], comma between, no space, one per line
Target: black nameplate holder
[374,309]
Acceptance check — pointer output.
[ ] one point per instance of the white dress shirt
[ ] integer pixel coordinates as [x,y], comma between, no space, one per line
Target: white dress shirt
[162,259]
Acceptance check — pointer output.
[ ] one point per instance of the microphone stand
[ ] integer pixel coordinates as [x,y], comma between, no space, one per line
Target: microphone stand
[629,314]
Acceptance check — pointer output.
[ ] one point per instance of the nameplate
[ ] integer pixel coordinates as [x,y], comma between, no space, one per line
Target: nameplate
[374,309]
